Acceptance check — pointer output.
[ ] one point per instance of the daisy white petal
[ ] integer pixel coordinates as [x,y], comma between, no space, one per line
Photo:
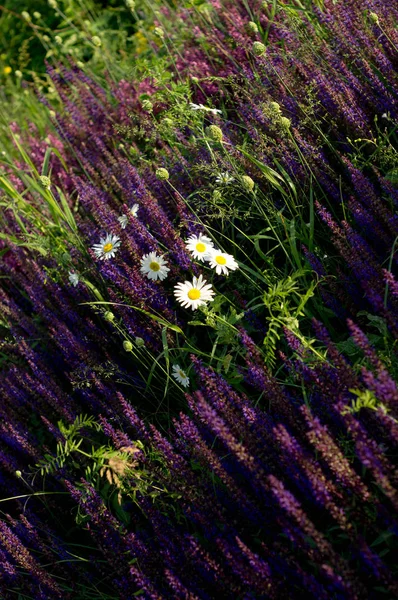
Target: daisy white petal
[154,266]
[221,262]
[199,246]
[73,278]
[194,294]
[224,178]
[123,221]
[134,209]
[180,375]
[107,247]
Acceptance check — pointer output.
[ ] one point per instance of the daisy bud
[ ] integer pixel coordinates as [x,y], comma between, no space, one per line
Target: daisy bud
[139,342]
[159,32]
[252,27]
[275,107]
[18,474]
[58,39]
[45,181]
[214,133]
[374,18]
[162,174]
[285,122]
[37,15]
[130,4]
[52,3]
[194,79]
[80,64]
[96,41]
[247,183]
[25,15]
[45,38]
[258,49]
[18,74]
[147,105]
[127,346]
[109,316]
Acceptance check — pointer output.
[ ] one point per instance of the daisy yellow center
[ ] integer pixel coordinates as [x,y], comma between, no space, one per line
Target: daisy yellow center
[182,374]
[154,266]
[200,247]
[221,260]
[108,247]
[194,294]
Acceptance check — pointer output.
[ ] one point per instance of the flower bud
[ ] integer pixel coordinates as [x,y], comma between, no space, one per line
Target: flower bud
[45,181]
[374,18]
[37,15]
[109,316]
[52,3]
[285,122]
[159,32]
[96,41]
[214,133]
[247,183]
[25,15]
[139,342]
[130,4]
[167,122]
[258,49]
[194,79]
[18,474]
[147,105]
[275,107]
[127,346]
[251,27]
[18,74]
[162,174]
[58,39]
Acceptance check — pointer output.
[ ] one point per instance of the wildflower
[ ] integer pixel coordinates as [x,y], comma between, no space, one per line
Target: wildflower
[214,133]
[154,266]
[107,247]
[52,3]
[195,293]
[7,70]
[222,262]
[285,122]
[258,49]
[25,15]
[147,105]
[73,278]
[199,246]
[18,474]
[45,182]
[162,174]
[180,375]
[247,183]
[18,74]
[37,15]
[109,316]
[96,41]
[130,4]
[127,346]
[123,219]
[224,178]
[194,106]
[275,107]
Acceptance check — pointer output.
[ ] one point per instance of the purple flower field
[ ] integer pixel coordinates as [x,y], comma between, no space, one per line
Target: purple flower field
[199,313]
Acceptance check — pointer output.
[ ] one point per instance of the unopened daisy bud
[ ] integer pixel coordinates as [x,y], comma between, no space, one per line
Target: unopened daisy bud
[80,64]
[18,74]
[130,4]
[45,38]
[52,3]
[194,79]
[159,32]
[214,133]
[139,342]
[96,41]
[374,18]
[251,27]
[275,107]
[127,346]
[162,174]
[37,15]
[57,39]
[25,15]
[18,474]
[147,105]
[258,49]
[45,181]
[247,183]
[109,316]
[285,122]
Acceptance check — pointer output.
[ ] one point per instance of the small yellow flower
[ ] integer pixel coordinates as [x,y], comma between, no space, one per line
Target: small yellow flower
[7,70]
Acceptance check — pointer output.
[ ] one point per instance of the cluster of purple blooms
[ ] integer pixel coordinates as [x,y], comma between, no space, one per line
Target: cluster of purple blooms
[265,499]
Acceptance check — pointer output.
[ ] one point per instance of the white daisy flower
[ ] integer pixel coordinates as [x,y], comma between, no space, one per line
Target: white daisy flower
[206,108]
[199,246]
[180,375]
[221,262]
[224,178]
[154,266]
[123,219]
[73,278]
[107,247]
[194,294]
